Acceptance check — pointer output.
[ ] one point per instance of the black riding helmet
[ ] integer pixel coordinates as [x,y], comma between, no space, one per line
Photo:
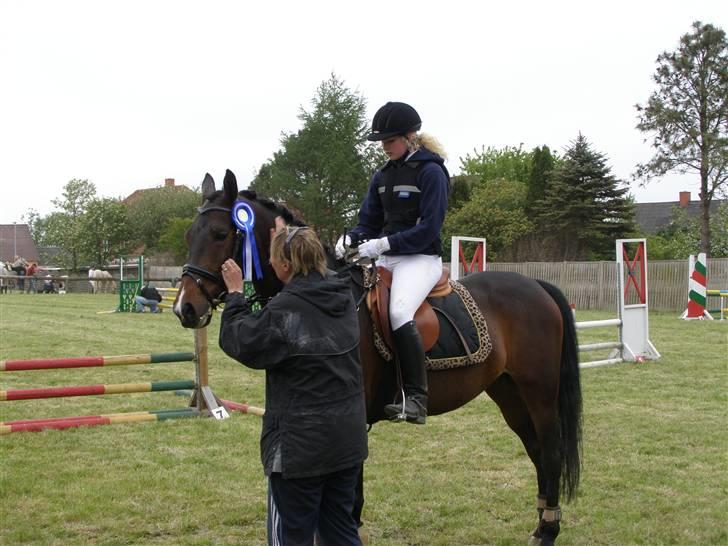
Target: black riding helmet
[392,119]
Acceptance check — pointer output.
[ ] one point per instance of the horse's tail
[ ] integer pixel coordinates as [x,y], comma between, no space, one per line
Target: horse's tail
[569,397]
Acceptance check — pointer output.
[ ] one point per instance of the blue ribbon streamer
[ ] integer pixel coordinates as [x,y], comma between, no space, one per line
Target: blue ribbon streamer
[244,219]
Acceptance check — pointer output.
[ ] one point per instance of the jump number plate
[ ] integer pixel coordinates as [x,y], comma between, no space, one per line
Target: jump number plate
[220,413]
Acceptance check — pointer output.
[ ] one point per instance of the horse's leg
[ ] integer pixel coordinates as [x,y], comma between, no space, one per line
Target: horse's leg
[544,416]
[515,412]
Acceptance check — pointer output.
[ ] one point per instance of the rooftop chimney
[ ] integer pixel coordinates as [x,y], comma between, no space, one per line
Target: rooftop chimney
[169,182]
[684,198]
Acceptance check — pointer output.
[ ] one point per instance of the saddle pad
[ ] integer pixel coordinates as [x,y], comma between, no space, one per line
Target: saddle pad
[448,352]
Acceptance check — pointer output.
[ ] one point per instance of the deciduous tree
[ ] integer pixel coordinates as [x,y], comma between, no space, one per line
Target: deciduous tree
[148,214]
[104,231]
[323,169]
[495,211]
[64,227]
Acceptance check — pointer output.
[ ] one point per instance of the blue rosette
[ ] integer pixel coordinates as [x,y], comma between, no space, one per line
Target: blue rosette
[244,219]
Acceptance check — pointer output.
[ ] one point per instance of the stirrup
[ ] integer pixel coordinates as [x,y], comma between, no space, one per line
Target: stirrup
[397,412]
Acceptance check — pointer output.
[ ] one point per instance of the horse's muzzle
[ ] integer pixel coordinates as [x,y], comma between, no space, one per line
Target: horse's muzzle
[190,318]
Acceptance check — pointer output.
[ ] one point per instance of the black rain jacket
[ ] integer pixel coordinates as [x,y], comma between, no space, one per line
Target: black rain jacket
[307,341]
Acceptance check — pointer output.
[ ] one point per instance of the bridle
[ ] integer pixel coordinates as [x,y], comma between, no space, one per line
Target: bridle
[197,273]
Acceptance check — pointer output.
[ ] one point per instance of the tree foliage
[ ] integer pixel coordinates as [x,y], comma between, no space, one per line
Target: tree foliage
[543,163]
[64,228]
[682,236]
[495,211]
[687,116]
[584,210]
[323,169]
[509,163]
[104,231]
[152,209]
[172,238]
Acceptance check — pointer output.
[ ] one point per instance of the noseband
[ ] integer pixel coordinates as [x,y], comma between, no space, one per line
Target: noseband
[197,273]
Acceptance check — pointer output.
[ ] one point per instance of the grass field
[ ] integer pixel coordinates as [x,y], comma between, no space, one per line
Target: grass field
[655,448]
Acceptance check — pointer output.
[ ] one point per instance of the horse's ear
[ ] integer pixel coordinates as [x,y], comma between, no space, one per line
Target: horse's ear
[208,187]
[230,185]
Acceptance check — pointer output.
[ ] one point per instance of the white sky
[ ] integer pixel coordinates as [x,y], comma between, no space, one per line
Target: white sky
[126,94]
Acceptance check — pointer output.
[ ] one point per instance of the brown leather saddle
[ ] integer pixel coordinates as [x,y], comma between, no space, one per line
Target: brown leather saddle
[427,323]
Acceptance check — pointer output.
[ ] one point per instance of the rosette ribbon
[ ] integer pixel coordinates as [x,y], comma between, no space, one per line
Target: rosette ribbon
[244,220]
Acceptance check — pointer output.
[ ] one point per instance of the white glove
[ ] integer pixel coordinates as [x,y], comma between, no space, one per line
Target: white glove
[374,248]
[341,245]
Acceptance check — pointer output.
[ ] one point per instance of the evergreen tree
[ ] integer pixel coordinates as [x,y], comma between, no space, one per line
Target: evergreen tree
[542,166]
[584,208]
[688,116]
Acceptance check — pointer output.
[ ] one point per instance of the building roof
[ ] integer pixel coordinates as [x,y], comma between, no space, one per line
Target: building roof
[654,217]
[15,240]
[168,183]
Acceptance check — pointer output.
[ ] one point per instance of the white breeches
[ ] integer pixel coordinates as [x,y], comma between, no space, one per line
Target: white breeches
[413,276]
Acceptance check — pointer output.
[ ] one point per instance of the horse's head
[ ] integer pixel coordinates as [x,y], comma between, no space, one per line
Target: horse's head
[212,239]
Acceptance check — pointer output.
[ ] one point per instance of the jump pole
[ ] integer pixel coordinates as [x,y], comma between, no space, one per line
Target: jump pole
[634,344]
[203,403]
[722,294]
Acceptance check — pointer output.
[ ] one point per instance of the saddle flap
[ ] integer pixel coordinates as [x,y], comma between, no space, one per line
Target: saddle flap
[378,303]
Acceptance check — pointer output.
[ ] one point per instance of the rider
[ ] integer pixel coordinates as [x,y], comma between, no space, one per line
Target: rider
[400,220]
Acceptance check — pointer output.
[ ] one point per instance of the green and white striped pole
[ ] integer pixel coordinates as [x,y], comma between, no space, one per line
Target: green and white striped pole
[697,289]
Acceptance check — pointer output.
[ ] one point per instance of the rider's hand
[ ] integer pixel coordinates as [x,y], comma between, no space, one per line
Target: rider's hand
[374,248]
[232,275]
[342,245]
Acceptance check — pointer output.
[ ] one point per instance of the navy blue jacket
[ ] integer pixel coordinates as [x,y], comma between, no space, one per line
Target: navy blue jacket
[307,341]
[413,232]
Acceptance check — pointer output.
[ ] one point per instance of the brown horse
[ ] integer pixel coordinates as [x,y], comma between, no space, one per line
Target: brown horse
[532,372]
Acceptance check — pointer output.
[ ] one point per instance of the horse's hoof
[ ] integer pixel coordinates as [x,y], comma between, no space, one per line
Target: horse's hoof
[539,538]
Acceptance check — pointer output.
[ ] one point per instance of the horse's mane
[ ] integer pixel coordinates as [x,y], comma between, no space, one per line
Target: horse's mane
[277,208]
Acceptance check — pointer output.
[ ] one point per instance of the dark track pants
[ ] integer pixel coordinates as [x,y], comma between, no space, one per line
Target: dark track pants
[299,507]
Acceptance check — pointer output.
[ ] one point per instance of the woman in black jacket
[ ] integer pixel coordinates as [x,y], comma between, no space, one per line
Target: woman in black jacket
[314,430]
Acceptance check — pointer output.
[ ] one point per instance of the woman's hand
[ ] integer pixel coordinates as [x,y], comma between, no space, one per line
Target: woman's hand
[280,224]
[232,276]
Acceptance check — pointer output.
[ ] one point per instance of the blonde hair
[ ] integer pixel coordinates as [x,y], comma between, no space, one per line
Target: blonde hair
[300,247]
[417,140]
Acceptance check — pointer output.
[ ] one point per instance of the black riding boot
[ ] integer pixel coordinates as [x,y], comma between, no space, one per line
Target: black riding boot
[414,376]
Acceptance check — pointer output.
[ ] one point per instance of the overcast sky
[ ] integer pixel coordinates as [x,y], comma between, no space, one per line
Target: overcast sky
[126,94]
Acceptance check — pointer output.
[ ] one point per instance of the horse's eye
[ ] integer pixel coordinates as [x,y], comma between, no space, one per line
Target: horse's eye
[219,235]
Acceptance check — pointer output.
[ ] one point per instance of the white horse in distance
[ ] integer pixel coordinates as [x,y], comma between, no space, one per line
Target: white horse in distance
[101,281]
[7,284]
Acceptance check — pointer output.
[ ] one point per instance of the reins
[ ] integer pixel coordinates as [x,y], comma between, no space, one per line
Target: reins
[365,287]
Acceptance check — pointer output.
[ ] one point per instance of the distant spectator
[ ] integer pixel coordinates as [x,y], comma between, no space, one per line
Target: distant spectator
[19,265]
[30,273]
[48,286]
[148,297]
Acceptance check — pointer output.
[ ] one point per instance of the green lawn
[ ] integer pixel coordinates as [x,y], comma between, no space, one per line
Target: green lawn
[655,448]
